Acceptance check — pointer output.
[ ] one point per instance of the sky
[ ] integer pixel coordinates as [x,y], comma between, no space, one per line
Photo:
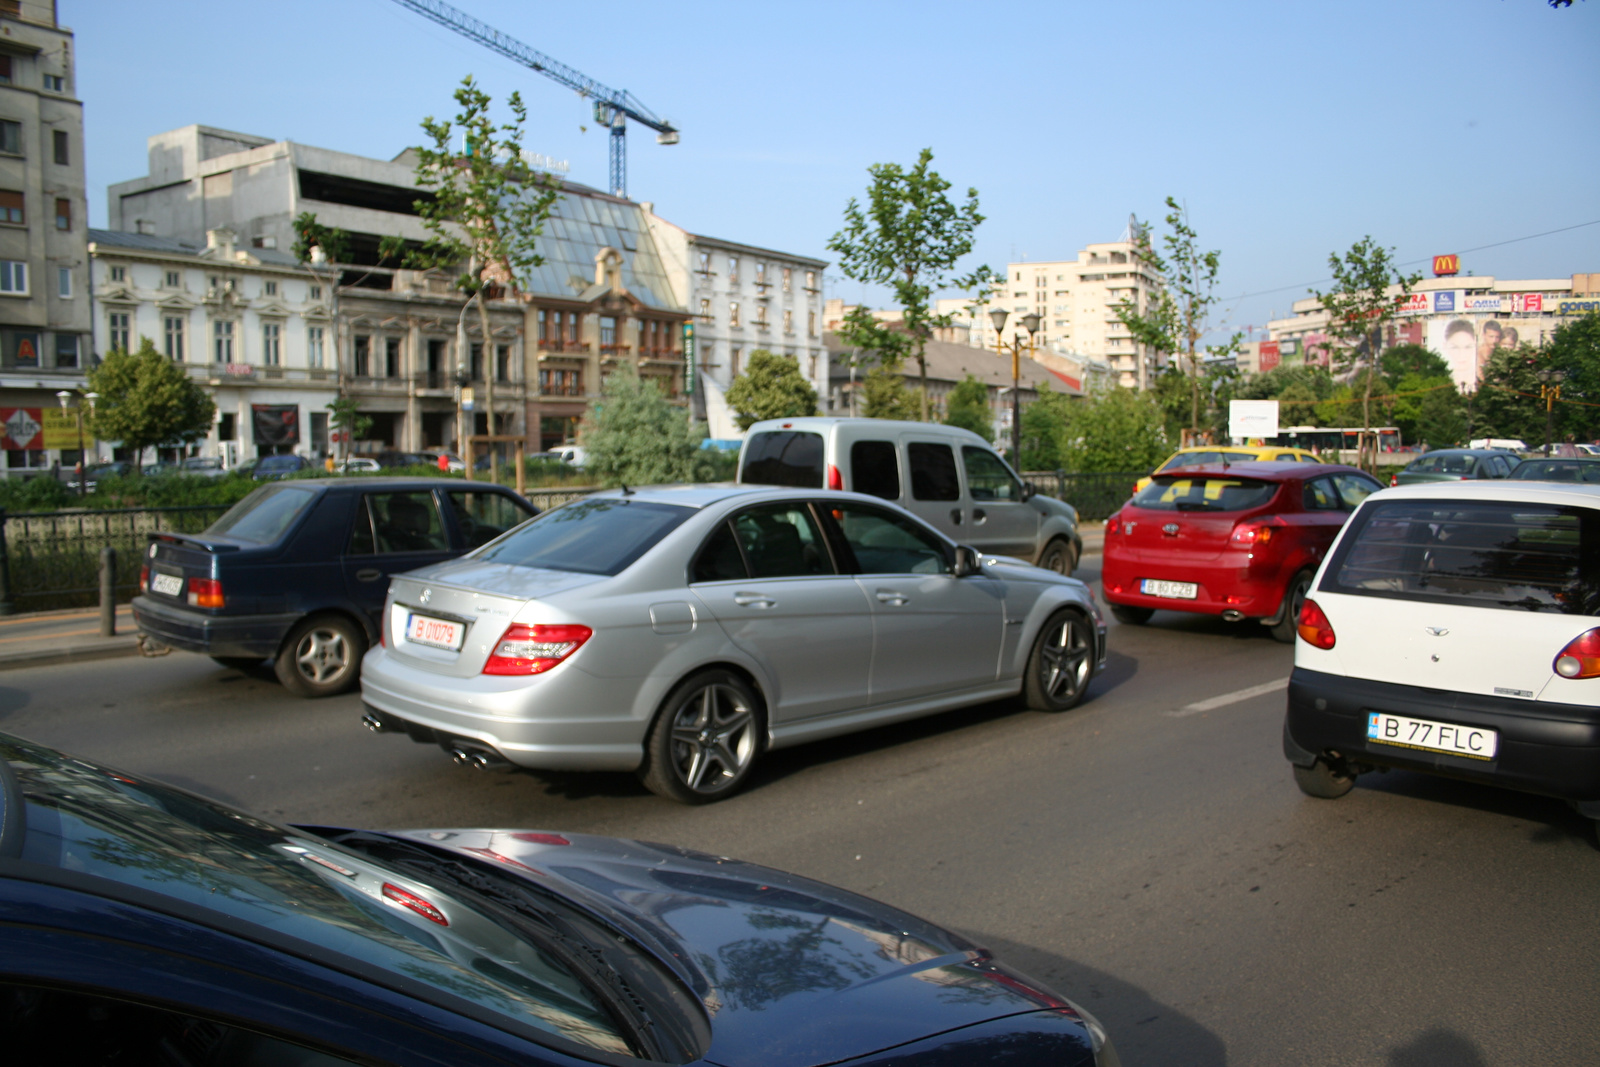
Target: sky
[1288,130]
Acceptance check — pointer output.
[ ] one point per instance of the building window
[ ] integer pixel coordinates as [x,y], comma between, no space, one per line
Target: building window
[55,83]
[561,382]
[10,137]
[271,353]
[222,342]
[761,316]
[733,362]
[173,328]
[543,325]
[272,288]
[733,270]
[705,311]
[64,282]
[5,61]
[174,280]
[63,214]
[811,324]
[733,313]
[117,327]
[11,207]
[761,275]
[58,140]
[788,321]
[66,350]
[811,281]
[391,357]
[316,292]
[363,356]
[314,346]
[119,274]
[13,277]
[608,333]
[705,264]
[502,363]
[787,272]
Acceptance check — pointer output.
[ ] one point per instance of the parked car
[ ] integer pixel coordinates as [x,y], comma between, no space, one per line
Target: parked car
[1577,469]
[120,468]
[297,571]
[143,924]
[1454,465]
[452,461]
[680,631]
[358,465]
[1196,455]
[948,477]
[205,466]
[271,468]
[1455,630]
[390,460]
[1240,541]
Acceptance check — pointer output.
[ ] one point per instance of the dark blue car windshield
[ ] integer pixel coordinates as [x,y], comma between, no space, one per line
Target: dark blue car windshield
[599,535]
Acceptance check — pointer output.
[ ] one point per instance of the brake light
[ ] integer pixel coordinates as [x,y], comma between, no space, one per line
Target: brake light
[1314,628]
[1114,524]
[835,479]
[144,577]
[1581,657]
[1249,534]
[526,649]
[205,593]
[411,902]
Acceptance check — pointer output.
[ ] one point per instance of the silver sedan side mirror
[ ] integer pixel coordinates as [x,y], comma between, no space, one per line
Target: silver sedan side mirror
[967,561]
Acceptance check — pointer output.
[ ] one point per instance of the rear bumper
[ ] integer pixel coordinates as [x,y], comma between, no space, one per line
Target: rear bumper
[211,635]
[1229,584]
[1546,748]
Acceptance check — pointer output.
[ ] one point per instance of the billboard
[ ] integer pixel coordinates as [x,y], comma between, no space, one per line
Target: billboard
[1444,301]
[1252,418]
[1466,344]
[1443,265]
[1270,355]
[1480,302]
[1414,304]
[35,429]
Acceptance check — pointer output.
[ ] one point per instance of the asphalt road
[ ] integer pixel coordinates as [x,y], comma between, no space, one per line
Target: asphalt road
[1148,853]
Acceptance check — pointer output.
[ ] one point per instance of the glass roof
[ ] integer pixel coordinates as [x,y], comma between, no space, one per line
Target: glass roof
[581,224]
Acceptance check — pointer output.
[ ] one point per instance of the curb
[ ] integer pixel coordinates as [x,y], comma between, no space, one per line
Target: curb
[12,661]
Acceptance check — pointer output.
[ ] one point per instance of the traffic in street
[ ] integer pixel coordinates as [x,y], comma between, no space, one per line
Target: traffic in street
[1146,853]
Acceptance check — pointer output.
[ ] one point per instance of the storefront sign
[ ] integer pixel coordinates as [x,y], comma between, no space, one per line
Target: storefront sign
[1472,302]
[1270,355]
[1446,265]
[1577,307]
[688,358]
[35,429]
[1414,304]
[238,370]
[1444,301]
[1527,302]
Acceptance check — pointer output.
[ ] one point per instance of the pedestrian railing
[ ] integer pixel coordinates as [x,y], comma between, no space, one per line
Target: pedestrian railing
[1095,496]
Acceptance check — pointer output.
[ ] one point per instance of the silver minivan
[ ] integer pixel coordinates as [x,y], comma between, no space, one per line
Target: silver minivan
[950,478]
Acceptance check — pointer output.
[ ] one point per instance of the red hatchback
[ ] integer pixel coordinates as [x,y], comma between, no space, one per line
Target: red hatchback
[1240,540]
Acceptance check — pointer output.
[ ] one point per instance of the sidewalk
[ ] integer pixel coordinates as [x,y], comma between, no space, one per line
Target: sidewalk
[40,638]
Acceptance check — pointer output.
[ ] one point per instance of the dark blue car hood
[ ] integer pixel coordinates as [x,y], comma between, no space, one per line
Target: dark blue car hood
[791,972]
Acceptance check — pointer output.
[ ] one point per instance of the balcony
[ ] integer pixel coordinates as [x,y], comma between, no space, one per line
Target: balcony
[556,344]
[614,351]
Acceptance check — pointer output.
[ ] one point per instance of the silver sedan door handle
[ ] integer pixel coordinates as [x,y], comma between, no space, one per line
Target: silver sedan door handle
[754,600]
[889,596]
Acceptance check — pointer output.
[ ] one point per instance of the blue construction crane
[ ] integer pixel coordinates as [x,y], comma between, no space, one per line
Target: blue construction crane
[612,107]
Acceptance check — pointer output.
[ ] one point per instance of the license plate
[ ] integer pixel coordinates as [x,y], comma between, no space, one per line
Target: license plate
[1474,742]
[1174,590]
[166,584]
[440,633]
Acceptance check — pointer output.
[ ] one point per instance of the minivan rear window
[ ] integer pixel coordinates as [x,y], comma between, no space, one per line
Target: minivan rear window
[597,535]
[1201,492]
[1490,554]
[790,458]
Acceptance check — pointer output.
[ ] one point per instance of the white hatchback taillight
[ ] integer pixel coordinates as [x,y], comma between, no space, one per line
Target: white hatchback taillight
[1313,626]
[1581,657]
[525,649]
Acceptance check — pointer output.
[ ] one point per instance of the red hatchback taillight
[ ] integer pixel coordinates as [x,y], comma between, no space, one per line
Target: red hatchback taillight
[205,593]
[1250,534]
[524,649]
[1581,657]
[1314,628]
[1114,524]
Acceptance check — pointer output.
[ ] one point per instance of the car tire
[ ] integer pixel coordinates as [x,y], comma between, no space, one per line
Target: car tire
[238,663]
[1057,556]
[705,739]
[1285,628]
[321,657]
[1320,780]
[1061,663]
[1131,616]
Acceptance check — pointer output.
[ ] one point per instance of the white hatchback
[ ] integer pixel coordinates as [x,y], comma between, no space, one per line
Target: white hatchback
[1455,629]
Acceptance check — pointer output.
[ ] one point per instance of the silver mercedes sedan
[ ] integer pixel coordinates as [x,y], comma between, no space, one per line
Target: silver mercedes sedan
[680,631]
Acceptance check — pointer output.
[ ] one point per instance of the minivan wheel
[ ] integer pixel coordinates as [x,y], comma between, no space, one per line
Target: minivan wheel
[705,739]
[1320,780]
[1131,616]
[321,657]
[1294,599]
[1057,556]
[1060,664]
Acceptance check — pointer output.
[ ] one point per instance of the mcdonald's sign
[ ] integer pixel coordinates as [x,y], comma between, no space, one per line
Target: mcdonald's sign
[1444,266]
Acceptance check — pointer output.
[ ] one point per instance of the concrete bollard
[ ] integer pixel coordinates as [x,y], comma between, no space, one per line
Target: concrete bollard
[108,592]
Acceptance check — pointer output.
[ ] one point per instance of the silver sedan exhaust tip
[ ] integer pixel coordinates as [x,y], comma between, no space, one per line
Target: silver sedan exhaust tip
[476,757]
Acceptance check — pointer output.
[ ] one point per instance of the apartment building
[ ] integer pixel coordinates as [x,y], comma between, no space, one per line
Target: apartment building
[44,271]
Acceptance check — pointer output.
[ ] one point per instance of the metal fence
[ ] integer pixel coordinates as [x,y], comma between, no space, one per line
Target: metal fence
[52,558]
[1095,496]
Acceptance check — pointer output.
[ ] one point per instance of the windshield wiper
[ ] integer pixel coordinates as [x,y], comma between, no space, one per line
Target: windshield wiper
[1192,505]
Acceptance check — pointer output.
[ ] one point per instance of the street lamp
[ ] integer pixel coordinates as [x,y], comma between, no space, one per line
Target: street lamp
[1030,322]
[1550,379]
[65,398]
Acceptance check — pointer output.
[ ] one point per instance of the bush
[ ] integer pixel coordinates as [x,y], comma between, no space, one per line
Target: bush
[39,493]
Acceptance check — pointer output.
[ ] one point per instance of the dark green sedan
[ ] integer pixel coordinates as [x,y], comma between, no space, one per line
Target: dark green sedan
[1456,465]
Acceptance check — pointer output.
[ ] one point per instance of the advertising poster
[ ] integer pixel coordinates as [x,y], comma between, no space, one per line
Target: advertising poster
[1249,419]
[276,424]
[1466,344]
[35,429]
[1269,353]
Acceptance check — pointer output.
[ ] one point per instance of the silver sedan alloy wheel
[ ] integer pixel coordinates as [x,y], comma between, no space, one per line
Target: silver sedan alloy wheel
[706,739]
[1059,668]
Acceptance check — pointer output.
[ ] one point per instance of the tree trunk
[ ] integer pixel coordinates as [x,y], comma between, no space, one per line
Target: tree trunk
[922,364]
[490,366]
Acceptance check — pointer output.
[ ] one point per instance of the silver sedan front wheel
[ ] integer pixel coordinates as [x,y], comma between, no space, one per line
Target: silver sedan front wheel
[704,740]
[1060,664]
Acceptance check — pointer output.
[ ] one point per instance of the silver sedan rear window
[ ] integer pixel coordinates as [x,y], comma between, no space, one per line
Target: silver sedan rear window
[596,535]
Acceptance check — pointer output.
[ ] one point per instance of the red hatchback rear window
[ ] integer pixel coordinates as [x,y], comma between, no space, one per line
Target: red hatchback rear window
[1200,492]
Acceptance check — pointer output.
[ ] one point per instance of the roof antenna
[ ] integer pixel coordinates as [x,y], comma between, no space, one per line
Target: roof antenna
[625,490]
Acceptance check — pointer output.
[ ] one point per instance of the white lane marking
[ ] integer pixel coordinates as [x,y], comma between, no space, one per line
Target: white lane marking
[1229,698]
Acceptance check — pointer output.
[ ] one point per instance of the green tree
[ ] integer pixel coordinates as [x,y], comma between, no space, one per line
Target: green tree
[1574,348]
[881,350]
[636,436]
[146,399]
[1119,430]
[346,418]
[1429,410]
[771,387]
[884,395]
[1359,308]
[485,209]
[1180,314]
[1401,360]
[967,406]
[909,237]
[1043,423]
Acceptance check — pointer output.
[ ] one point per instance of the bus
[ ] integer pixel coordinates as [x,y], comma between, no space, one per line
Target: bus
[1324,439]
